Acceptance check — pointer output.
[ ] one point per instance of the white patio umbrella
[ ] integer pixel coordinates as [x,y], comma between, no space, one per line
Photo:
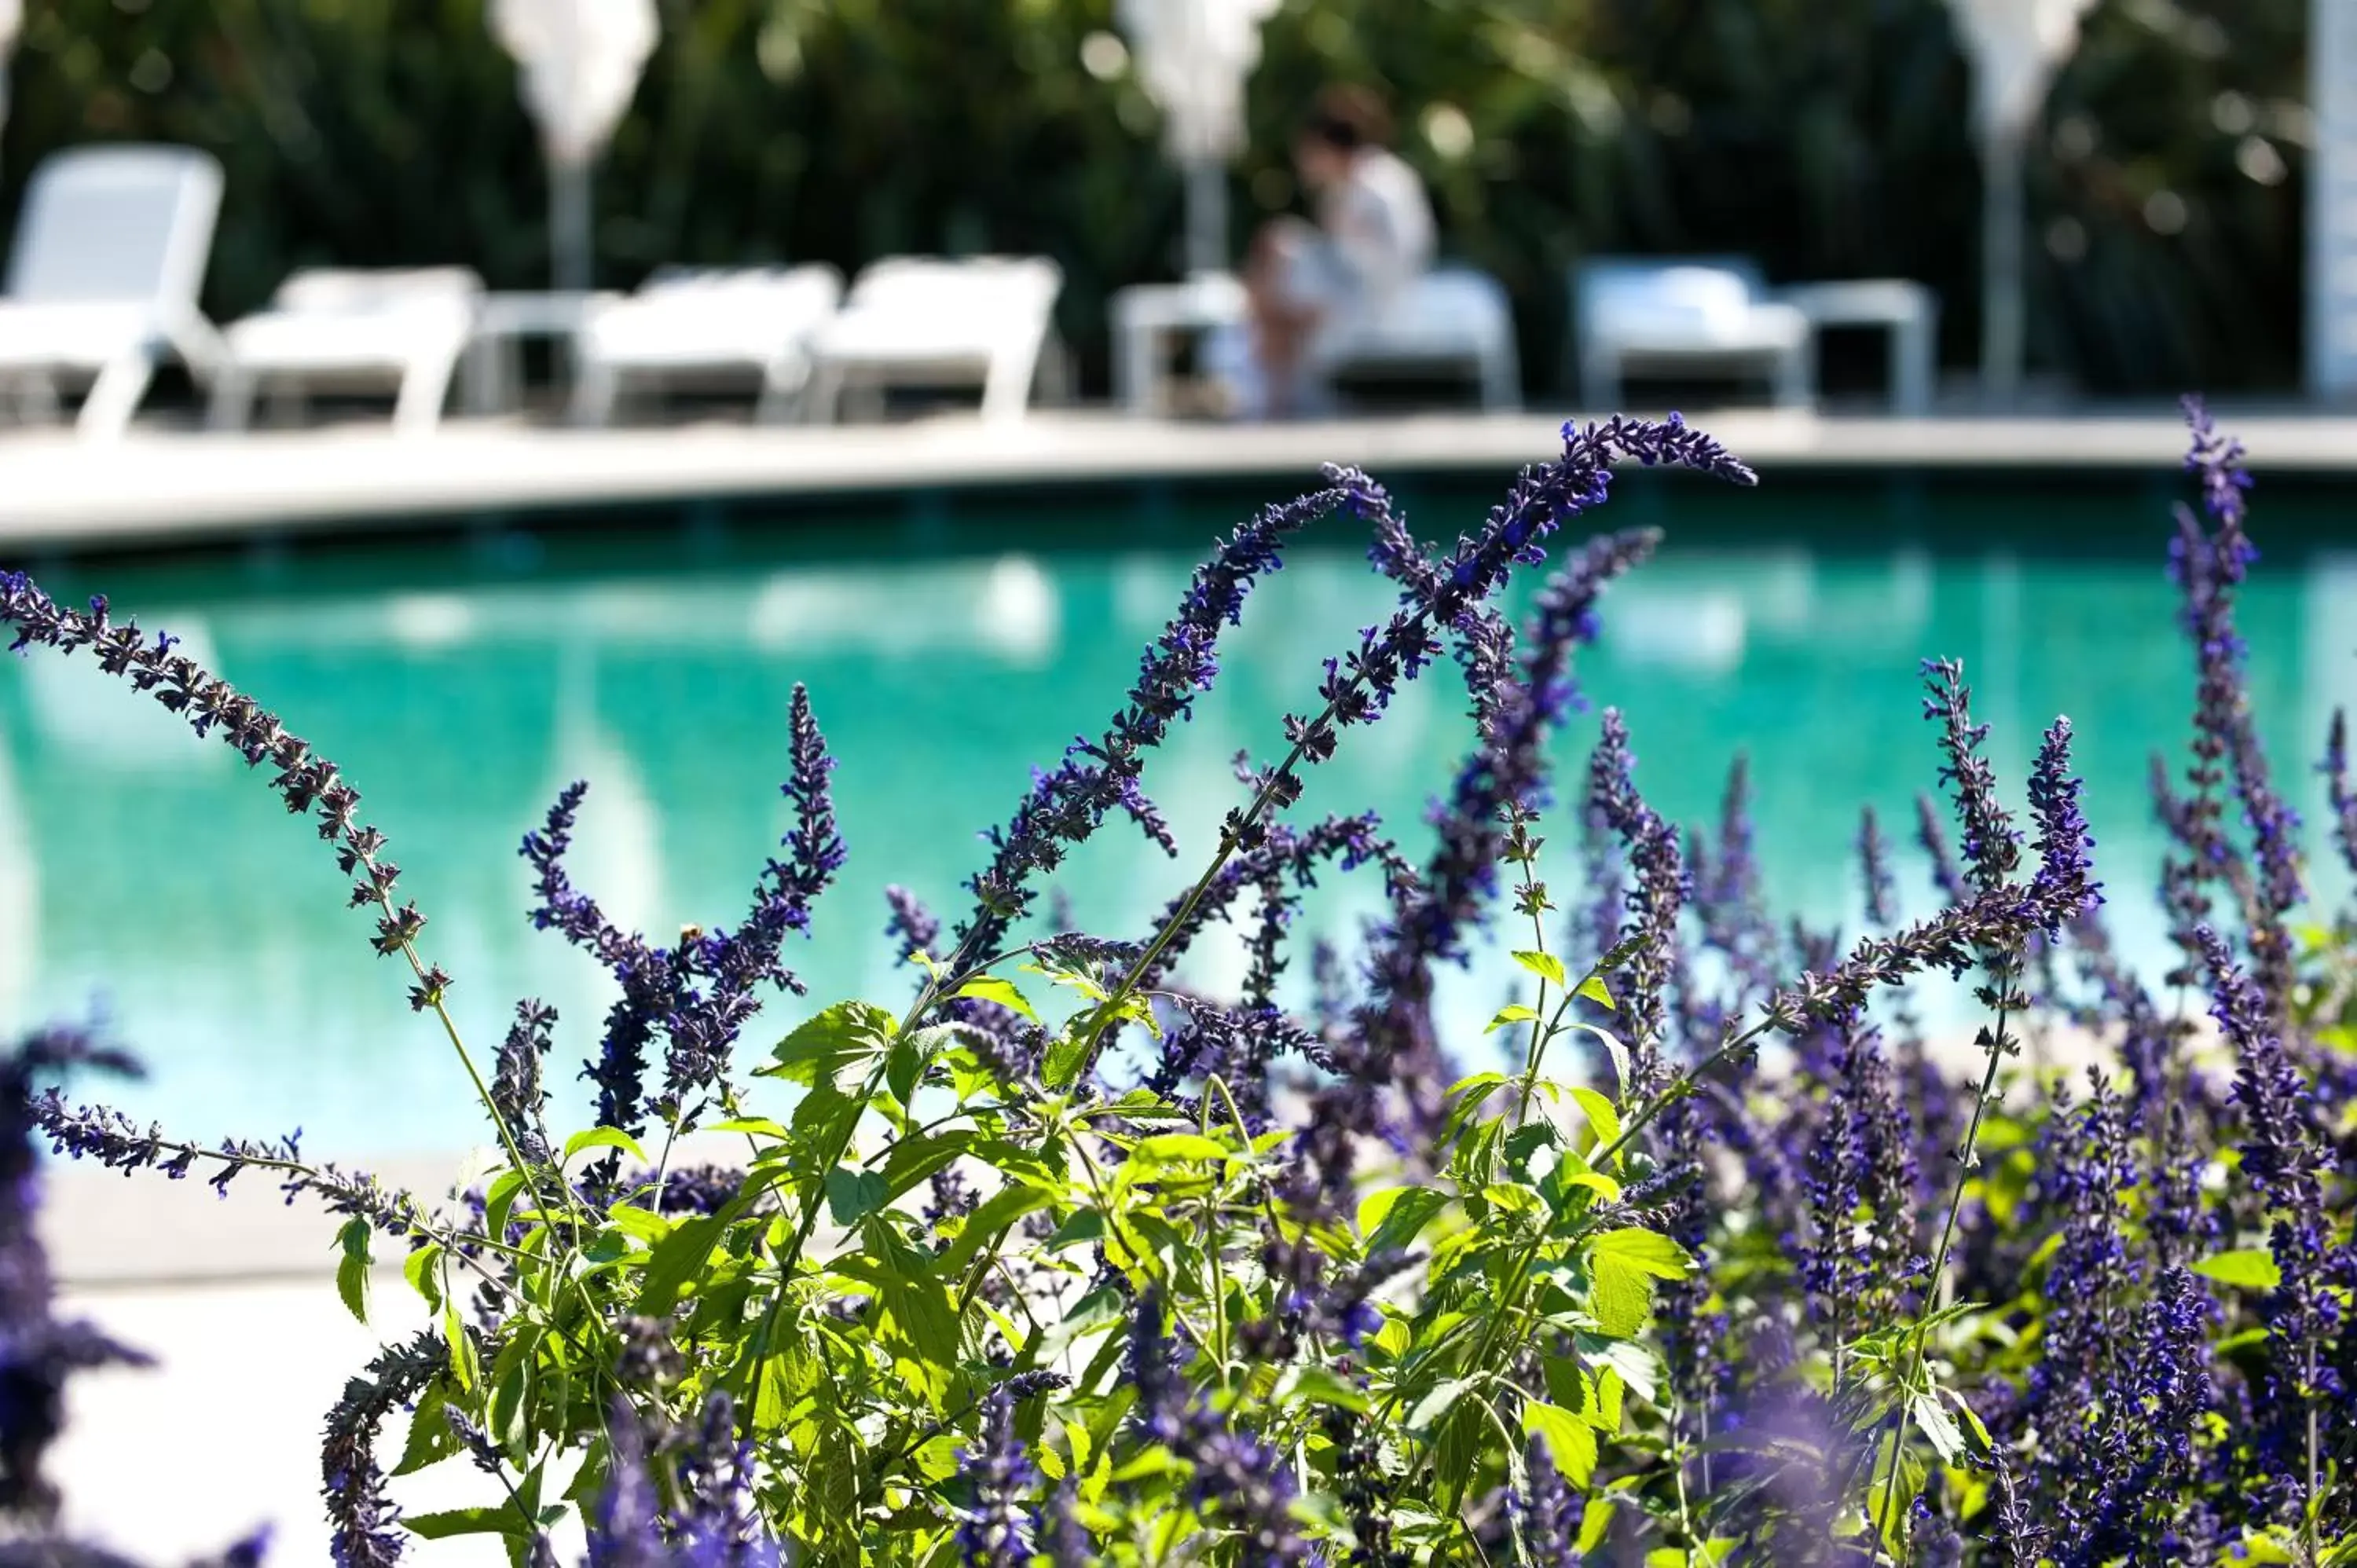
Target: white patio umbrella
[12,21]
[1193,57]
[581,60]
[2015,46]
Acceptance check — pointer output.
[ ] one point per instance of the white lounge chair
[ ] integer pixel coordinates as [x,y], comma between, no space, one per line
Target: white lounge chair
[700,325]
[1685,316]
[984,320]
[1449,315]
[103,278]
[335,329]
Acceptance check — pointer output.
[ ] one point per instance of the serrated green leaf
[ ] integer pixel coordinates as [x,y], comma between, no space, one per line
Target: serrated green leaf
[1508,1016]
[851,1196]
[1603,1116]
[1404,1217]
[430,1439]
[1066,1052]
[1939,1428]
[1545,966]
[604,1138]
[2249,1268]
[1569,1440]
[752,1126]
[992,988]
[353,1268]
[1593,988]
[840,1042]
[422,1269]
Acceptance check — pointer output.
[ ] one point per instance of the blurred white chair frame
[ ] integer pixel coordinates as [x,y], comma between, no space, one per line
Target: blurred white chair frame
[103,277]
[1450,316]
[983,319]
[1703,313]
[332,329]
[700,326]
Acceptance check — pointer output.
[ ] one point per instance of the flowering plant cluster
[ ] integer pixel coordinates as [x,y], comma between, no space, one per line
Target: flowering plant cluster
[1060,1259]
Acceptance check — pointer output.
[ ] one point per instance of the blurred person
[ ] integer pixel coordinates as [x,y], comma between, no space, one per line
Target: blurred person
[1310,286]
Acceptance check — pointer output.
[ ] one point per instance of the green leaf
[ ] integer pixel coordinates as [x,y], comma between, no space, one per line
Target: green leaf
[1177,1148]
[604,1138]
[992,988]
[1065,1055]
[1623,1264]
[674,1259]
[1545,966]
[1602,1115]
[1517,1013]
[2250,1268]
[430,1439]
[1571,1441]
[1437,1403]
[1000,1209]
[1947,1439]
[756,1126]
[1405,1217]
[423,1275]
[1593,989]
[500,1520]
[1614,1047]
[913,1159]
[851,1194]
[841,1041]
[904,1069]
[352,1271]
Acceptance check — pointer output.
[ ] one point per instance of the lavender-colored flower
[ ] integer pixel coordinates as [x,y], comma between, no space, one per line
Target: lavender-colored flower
[1655,903]
[2208,569]
[2076,1386]
[913,927]
[1992,846]
[699,995]
[1551,1512]
[307,782]
[1063,1537]
[2283,1154]
[38,1352]
[1933,838]
[363,1530]
[1067,804]
[995,1528]
[516,1089]
[2335,768]
[2151,1433]
[2065,847]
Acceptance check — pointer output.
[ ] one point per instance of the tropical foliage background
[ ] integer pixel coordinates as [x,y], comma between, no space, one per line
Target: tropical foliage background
[1828,137]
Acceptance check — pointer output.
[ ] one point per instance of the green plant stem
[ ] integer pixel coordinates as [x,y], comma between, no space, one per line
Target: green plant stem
[1968,1154]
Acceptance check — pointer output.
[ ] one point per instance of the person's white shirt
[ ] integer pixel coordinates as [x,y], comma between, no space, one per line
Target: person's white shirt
[1378,224]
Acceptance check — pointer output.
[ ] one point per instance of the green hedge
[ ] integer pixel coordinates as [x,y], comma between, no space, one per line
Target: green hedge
[1826,136]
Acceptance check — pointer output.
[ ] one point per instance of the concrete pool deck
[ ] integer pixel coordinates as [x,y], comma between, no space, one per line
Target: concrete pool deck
[160,486]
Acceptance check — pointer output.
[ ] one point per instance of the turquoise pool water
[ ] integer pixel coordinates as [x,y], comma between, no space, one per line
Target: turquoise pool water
[462,678]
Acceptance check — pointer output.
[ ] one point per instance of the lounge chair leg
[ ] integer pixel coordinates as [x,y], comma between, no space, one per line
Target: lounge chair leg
[1006,384]
[783,383]
[596,388]
[232,407]
[115,396]
[822,399]
[424,388]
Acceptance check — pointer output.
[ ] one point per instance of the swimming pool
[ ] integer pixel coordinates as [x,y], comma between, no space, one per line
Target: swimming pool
[462,675]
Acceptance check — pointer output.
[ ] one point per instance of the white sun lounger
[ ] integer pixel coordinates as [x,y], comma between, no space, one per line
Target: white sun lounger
[103,277]
[689,326]
[1450,316]
[1705,314]
[983,319]
[336,329]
